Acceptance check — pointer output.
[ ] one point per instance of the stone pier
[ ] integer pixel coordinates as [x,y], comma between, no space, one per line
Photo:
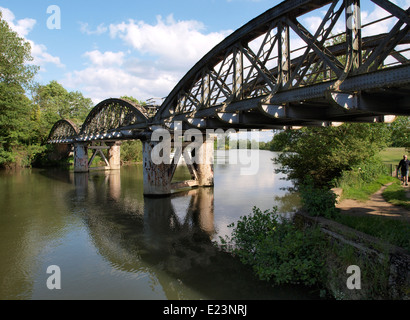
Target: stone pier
[80,157]
[82,163]
[114,155]
[159,168]
[159,164]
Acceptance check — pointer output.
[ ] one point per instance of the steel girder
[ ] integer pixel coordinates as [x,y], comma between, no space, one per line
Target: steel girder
[110,119]
[63,131]
[276,63]
[279,71]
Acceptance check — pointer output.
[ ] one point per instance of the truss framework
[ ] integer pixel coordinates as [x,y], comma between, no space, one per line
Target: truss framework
[277,52]
[280,71]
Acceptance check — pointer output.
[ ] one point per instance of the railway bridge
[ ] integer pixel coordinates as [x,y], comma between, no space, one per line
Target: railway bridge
[277,71]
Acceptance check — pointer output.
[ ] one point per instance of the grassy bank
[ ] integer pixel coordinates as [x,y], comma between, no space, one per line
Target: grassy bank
[392,231]
[392,155]
[358,187]
[396,194]
[359,190]
[361,183]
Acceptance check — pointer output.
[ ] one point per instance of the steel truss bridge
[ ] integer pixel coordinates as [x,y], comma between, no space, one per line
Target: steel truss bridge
[278,71]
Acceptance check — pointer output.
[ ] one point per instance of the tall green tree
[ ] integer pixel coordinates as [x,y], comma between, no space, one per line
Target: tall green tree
[16,110]
[55,103]
[324,153]
[400,132]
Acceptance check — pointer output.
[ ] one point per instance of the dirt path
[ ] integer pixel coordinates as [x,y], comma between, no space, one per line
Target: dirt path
[376,205]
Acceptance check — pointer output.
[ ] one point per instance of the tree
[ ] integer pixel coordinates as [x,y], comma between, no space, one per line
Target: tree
[56,103]
[282,141]
[401,132]
[324,153]
[132,99]
[14,55]
[16,109]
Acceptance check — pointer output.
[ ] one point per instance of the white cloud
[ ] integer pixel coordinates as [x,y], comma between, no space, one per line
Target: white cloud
[159,55]
[39,51]
[108,58]
[176,43]
[42,57]
[22,26]
[99,30]
[110,75]
[101,83]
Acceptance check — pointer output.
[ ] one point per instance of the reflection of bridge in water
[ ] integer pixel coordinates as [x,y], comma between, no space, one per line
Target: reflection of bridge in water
[273,73]
[166,239]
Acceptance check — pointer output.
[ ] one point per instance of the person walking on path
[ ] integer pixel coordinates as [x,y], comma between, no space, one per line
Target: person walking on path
[404,165]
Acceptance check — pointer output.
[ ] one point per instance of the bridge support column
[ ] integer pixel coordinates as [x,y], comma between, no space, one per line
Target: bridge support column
[205,167]
[80,157]
[114,155]
[159,168]
[157,179]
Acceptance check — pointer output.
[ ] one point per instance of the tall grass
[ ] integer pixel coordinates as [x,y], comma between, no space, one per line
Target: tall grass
[361,182]
[396,194]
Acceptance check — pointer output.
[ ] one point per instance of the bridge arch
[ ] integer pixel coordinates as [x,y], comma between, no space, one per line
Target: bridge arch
[63,131]
[112,115]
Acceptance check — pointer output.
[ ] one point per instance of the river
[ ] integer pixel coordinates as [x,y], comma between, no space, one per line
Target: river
[111,242]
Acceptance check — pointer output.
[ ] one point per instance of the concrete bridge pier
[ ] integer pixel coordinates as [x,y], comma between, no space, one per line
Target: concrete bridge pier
[81,157]
[159,168]
[82,163]
[205,167]
[157,176]
[114,155]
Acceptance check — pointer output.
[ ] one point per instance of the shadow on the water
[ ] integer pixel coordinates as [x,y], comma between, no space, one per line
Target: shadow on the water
[58,174]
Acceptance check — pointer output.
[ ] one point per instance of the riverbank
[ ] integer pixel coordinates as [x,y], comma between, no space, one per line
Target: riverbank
[376,205]
[384,268]
[375,233]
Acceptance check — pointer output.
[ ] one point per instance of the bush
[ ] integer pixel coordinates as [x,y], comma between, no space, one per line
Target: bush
[318,201]
[131,151]
[277,250]
[362,181]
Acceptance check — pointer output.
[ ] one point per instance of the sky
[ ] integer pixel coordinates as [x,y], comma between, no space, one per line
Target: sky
[107,49]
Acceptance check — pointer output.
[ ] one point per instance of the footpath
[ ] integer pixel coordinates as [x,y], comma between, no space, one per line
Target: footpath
[376,205]
[391,281]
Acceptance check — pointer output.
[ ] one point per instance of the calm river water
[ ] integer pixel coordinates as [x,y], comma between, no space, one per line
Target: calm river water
[112,243]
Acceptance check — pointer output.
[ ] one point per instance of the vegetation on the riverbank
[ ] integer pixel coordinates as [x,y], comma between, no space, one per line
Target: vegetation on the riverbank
[350,157]
[396,194]
[392,231]
[283,251]
[28,110]
[276,249]
[25,123]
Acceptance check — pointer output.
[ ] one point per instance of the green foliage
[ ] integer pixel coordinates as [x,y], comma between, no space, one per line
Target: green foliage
[281,141]
[277,250]
[56,103]
[15,52]
[135,100]
[362,181]
[15,108]
[396,194]
[131,151]
[400,129]
[395,232]
[25,123]
[318,201]
[324,153]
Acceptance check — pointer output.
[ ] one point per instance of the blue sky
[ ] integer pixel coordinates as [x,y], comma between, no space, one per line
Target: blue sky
[111,48]
[139,48]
